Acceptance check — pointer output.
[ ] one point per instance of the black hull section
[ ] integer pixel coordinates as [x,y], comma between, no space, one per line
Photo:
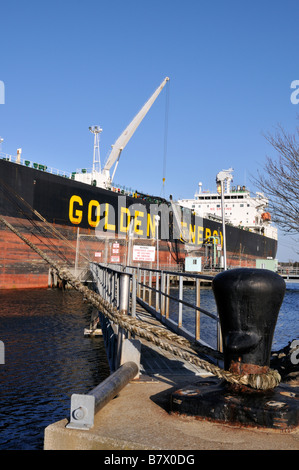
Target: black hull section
[68,204]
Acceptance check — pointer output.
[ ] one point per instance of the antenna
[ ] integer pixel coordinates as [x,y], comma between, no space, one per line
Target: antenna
[96,166]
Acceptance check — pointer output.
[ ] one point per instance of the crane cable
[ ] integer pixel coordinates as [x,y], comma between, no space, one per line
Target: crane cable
[165,138]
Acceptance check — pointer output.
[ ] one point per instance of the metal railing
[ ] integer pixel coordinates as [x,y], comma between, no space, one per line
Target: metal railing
[152,289]
[288,270]
[154,292]
[35,165]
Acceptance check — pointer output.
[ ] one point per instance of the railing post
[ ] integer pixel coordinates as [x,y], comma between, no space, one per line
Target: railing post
[138,281]
[167,292]
[162,301]
[124,289]
[143,287]
[127,347]
[197,312]
[157,289]
[150,290]
[180,317]
[124,293]
[134,292]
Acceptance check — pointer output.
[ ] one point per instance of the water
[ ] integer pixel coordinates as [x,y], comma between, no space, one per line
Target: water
[47,358]
[287,326]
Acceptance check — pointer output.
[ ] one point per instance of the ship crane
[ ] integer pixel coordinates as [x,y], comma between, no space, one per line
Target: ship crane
[101,177]
[124,138]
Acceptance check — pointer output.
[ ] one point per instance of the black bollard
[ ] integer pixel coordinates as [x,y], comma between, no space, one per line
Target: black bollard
[248,302]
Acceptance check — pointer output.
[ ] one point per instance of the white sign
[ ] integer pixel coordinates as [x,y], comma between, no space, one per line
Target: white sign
[115,259]
[144,253]
[98,254]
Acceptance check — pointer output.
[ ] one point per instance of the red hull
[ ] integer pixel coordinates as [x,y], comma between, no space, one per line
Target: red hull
[21,267]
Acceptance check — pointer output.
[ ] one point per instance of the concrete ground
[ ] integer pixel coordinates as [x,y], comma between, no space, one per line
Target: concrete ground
[139,418]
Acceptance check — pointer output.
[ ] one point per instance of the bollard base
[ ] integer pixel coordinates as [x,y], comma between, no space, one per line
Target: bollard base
[216,400]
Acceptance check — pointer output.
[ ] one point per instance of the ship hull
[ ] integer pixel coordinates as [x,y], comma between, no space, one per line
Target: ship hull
[96,224]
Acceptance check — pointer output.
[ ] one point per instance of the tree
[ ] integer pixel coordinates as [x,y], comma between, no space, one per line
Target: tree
[280,180]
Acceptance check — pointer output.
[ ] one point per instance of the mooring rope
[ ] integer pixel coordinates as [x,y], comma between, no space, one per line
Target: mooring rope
[265,381]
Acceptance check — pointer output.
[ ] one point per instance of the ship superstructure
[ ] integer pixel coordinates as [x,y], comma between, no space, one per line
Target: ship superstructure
[240,208]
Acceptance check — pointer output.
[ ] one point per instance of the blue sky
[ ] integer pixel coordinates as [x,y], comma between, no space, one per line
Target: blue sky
[67,65]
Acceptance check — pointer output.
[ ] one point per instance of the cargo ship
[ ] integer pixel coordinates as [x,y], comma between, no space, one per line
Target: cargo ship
[83,217]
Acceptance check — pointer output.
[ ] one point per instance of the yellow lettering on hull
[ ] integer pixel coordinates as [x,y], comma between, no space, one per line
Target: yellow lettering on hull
[138,222]
[151,225]
[75,215]
[93,203]
[107,225]
[192,231]
[124,212]
[199,235]
[208,233]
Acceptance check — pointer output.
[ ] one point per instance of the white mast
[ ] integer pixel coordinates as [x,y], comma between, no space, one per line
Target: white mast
[96,165]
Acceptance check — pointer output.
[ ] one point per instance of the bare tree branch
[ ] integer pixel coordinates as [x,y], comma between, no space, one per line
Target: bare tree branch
[279,180]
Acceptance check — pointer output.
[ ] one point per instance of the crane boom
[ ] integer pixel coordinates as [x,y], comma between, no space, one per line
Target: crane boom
[124,138]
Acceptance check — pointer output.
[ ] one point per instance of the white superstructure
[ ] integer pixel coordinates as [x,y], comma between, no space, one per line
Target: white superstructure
[240,209]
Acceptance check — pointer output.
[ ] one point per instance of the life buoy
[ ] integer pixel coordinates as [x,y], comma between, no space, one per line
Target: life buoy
[266,216]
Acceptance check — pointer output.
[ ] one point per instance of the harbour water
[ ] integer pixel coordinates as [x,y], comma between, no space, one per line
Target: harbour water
[47,357]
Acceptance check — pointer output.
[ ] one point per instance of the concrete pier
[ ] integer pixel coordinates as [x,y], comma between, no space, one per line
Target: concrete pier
[139,418]
[142,417]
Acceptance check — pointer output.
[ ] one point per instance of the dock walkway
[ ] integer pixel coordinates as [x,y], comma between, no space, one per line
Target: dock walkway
[155,362]
[139,418]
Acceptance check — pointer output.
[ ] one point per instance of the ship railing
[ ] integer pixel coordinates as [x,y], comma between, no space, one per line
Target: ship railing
[35,165]
[288,270]
[162,294]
